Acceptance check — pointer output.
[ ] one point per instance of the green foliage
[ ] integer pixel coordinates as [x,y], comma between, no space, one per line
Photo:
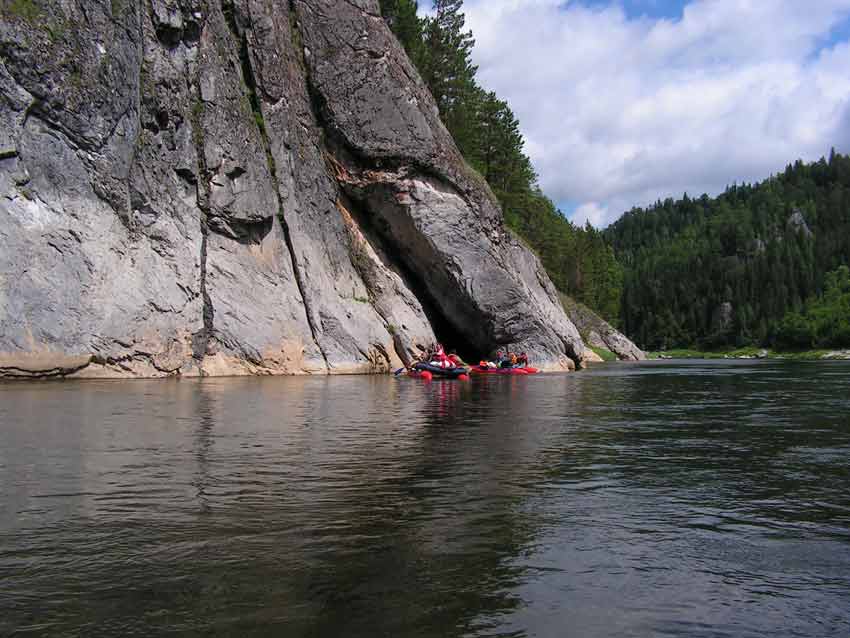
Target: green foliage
[605,355]
[49,21]
[579,260]
[27,10]
[196,115]
[684,259]
[402,17]
[825,323]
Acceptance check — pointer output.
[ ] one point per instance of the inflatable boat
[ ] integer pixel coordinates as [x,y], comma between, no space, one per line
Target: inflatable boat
[507,371]
[437,371]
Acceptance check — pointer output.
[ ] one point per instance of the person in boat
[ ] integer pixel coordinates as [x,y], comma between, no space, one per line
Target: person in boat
[522,360]
[440,358]
[508,361]
[455,359]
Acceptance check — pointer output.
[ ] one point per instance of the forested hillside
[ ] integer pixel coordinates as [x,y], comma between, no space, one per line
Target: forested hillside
[744,268]
[485,129]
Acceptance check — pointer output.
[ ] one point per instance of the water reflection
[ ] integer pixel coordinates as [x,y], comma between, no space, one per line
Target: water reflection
[630,500]
[204,437]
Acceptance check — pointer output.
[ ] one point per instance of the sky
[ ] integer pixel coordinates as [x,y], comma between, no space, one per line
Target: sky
[626,102]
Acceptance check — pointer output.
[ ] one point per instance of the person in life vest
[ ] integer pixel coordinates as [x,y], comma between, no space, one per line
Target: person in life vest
[440,359]
[522,360]
[508,360]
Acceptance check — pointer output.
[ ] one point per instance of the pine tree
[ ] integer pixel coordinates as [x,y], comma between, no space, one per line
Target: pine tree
[402,18]
[448,70]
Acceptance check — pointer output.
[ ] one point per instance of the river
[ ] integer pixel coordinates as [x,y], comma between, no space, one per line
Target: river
[659,499]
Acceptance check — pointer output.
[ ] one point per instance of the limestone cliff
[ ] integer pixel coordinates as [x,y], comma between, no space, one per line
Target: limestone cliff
[209,187]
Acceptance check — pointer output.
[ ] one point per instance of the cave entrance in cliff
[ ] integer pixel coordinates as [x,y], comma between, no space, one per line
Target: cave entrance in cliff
[447,334]
[446,331]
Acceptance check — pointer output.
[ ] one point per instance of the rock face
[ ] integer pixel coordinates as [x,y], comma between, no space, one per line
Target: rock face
[721,318]
[210,187]
[797,223]
[600,334]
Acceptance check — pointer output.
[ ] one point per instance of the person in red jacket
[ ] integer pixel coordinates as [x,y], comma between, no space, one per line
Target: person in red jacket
[439,357]
[455,359]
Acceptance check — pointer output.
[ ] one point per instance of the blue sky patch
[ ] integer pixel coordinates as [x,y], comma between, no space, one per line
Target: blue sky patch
[654,9]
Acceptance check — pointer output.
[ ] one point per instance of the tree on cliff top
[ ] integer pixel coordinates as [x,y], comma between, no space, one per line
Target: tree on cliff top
[401,16]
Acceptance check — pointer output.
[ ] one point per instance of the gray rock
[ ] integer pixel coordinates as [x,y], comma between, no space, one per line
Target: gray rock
[721,320]
[241,187]
[355,299]
[797,223]
[397,161]
[599,333]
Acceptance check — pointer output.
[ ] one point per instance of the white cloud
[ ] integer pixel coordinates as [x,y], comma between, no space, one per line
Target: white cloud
[590,212]
[621,111]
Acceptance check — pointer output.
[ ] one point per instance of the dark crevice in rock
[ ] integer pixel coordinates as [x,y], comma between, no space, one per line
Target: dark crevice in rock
[137,356]
[169,36]
[201,338]
[235,173]
[250,81]
[443,327]
[191,33]
[186,32]
[186,175]
[248,233]
[12,373]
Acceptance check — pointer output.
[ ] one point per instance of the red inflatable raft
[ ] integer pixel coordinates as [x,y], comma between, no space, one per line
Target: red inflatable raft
[417,374]
[513,371]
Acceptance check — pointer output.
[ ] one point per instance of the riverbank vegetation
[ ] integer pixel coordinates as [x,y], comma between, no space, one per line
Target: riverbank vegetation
[578,259]
[751,353]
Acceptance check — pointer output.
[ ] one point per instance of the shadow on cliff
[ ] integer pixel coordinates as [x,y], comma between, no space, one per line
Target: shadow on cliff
[444,328]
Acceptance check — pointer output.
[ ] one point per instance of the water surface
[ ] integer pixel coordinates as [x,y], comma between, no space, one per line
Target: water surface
[661,499]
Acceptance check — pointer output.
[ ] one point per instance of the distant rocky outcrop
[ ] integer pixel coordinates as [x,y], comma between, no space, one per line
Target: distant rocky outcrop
[721,318]
[598,333]
[797,223]
[212,187]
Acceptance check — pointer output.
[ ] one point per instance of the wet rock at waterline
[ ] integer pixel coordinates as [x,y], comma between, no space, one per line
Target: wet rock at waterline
[212,187]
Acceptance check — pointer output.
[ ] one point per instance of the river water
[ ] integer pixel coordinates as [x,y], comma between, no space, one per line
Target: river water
[659,499]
